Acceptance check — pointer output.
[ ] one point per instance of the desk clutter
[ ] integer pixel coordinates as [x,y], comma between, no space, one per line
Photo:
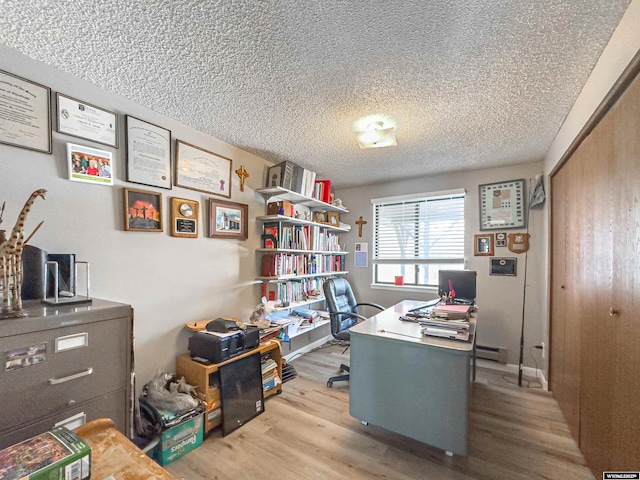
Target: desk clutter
[442,320]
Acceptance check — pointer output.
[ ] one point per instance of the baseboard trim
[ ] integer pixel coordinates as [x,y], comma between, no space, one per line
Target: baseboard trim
[307,348]
[511,368]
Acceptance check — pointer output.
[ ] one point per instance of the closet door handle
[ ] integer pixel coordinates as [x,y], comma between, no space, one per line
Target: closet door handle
[83,373]
[613,311]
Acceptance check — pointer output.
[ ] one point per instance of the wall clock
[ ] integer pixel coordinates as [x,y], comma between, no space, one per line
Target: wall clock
[184,217]
[502,205]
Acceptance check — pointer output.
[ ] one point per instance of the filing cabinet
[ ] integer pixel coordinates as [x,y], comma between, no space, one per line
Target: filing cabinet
[65,365]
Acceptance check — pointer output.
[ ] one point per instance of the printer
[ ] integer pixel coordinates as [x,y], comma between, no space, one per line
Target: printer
[222,340]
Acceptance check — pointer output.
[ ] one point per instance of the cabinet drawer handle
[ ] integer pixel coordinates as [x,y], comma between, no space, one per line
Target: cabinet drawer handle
[83,373]
[613,311]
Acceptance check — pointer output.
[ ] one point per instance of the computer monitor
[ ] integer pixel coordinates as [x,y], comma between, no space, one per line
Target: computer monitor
[463,281]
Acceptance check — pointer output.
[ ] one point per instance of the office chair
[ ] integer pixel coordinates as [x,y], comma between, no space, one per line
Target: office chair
[343,311]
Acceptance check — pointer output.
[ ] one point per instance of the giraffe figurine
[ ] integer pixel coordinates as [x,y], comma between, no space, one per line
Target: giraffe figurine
[11,262]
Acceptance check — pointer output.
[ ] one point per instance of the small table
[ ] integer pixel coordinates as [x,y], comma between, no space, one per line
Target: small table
[409,383]
[113,454]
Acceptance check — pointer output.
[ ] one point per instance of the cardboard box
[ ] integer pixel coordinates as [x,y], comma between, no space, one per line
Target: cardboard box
[59,453]
[179,440]
[281,208]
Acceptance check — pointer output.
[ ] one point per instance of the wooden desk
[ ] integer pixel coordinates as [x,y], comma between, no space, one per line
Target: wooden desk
[414,385]
[113,454]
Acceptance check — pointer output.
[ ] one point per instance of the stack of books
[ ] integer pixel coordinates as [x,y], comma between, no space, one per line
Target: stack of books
[270,377]
[448,321]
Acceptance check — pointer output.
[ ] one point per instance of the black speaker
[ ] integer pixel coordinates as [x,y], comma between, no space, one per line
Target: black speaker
[33,260]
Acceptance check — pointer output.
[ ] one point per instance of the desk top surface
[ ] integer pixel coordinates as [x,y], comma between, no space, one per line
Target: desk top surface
[387,324]
[113,454]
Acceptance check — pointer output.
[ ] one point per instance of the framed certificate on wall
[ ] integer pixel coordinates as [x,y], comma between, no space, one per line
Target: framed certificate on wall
[502,205]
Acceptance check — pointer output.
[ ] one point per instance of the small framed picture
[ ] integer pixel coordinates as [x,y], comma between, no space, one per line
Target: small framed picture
[333,219]
[142,210]
[501,239]
[89,165]
[503,266]
[483,244]
[228,219]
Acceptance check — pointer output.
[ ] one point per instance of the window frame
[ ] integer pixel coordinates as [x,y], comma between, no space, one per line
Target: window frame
[417,263]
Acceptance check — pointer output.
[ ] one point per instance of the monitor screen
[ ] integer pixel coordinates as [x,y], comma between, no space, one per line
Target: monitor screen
[463,282]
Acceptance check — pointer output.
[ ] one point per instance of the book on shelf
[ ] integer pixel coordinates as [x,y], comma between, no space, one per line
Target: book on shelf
[296,179]
[270,235]
[269,265]
[281,175]
[322,190]
[305,314]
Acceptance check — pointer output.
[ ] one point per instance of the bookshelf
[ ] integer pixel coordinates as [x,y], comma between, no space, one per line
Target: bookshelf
[297,254]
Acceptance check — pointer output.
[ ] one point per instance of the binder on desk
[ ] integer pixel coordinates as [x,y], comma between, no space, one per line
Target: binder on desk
[454,334]
[451,311]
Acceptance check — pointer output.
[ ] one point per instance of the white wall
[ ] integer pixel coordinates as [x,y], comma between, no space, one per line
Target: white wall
[499,298]
[169,281]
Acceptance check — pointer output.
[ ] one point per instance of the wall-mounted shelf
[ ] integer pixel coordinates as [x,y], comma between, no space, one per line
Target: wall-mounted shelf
[293,197]
[298,221]
[290,250]
[284,278]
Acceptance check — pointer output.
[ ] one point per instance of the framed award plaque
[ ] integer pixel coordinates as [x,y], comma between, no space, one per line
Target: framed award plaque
[184,217]
[502,205]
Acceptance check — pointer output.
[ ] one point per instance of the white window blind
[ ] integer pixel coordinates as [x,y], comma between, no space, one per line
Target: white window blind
[414,230]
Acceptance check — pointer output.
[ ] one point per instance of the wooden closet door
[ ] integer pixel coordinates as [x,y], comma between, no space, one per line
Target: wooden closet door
[564,361]
[598,333]
[625,299]
[558,285]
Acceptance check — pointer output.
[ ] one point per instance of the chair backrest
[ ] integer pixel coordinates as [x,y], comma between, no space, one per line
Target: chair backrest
[339,297]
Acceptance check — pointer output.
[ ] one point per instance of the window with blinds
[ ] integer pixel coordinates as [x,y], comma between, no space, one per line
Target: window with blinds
[416,236]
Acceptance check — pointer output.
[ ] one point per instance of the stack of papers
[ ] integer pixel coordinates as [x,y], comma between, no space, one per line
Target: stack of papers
[448,321]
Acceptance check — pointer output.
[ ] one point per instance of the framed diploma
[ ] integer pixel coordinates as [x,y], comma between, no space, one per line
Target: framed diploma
[202,170]
[148,153]
[502,205]
[86,121]
[25,113]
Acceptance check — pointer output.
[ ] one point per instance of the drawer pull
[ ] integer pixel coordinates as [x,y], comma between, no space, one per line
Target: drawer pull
[83,373]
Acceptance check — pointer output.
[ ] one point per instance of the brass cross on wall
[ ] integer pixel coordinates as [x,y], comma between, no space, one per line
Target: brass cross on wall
[360,223]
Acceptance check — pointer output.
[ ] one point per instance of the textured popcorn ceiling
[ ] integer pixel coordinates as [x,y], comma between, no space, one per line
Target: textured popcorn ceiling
[471,84]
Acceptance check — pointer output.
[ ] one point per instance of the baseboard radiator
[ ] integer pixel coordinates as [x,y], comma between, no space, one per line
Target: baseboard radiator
[495,354]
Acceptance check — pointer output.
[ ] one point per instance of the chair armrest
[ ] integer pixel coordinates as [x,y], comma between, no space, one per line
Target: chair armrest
[379,307]
[349,314]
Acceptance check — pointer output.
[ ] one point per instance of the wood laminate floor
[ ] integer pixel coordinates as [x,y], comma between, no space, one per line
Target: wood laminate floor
[306,432]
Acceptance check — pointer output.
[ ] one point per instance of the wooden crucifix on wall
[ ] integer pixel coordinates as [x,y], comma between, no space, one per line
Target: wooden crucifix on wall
[360,222]
[243,174]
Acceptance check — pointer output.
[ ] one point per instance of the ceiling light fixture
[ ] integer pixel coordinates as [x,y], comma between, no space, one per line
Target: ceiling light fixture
[376,134]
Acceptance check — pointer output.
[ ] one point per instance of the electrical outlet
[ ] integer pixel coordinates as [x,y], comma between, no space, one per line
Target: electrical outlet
[544,351]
